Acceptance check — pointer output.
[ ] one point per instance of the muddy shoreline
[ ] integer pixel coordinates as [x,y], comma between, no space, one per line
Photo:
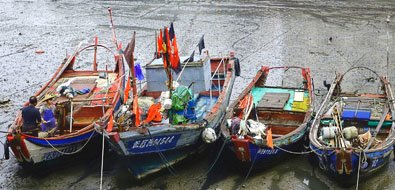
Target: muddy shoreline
[326,36]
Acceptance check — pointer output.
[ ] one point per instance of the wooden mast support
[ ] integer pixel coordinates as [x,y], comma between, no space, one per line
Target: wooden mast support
[95,55]
[132,71]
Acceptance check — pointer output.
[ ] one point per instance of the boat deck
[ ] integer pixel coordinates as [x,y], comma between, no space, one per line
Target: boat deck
[87,107]
[360,112]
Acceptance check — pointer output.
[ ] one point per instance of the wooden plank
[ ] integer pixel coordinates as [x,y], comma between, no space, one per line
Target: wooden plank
[282,130]
[294,118]
[273,100]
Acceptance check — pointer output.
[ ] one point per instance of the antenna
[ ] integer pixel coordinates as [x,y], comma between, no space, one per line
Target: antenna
[388,57]
[114,36]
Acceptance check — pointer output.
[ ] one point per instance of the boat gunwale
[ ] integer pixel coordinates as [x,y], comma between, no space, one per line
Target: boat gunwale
[388,95]
[265,71]
[61,71]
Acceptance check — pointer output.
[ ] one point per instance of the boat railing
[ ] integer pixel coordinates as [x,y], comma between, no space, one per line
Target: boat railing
[104,99]
[216,73]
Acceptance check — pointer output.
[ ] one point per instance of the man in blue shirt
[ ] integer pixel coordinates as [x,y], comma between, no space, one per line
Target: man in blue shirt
[31,117]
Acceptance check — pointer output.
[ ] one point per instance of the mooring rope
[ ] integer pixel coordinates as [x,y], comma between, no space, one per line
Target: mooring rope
[292,152]
[359,168]
[102,133]
[161,155]
[218,155]
[4,150]
[102,162]
[215,161]
[70,153]
[249,170]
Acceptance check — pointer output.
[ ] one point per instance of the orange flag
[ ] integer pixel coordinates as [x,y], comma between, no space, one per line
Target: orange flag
[127,90]
[244,103]
[269,138]
[160,42]
[136,110]
[168,43]
[175,58]
[110,124]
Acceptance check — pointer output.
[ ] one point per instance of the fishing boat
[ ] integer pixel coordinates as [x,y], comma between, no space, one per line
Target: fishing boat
[175,114]
[352,134]
[82,97]
[269,119]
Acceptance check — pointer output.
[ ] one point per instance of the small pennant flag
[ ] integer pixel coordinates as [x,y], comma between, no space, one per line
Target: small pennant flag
[201,45]
[139,72]
[110,124]
[127,90]
[269,138]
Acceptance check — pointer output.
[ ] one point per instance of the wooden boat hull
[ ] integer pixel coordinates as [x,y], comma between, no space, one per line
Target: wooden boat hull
[174,143]
[140,148]
[145,164]
[36,154]
[88,110]
[293,124]
[348,164]
[248,153]
[372,162]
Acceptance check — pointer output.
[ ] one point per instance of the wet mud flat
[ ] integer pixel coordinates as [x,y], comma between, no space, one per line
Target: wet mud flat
[326,36]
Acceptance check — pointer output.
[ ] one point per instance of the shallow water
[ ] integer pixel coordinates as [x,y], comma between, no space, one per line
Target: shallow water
[272,33]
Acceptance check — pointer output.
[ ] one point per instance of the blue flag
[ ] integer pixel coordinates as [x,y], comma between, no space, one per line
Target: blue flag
[139,72]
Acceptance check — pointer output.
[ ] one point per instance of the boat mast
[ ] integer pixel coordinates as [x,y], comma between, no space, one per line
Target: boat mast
[388,21]
[95,55]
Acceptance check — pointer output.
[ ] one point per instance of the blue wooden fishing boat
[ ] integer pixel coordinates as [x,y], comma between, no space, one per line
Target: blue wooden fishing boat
[177,112]
[81,97]
[159,144]
[270,117]
[352,134]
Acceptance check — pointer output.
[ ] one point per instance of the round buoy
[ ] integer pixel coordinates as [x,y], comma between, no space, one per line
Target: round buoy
[209,135]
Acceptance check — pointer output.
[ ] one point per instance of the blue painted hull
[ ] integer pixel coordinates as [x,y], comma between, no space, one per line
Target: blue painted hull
[370,164]
[282,110]
[62,142]
[157,147]
[55,160]
[147,154]
[145,164]
[266,157]
[346,158]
